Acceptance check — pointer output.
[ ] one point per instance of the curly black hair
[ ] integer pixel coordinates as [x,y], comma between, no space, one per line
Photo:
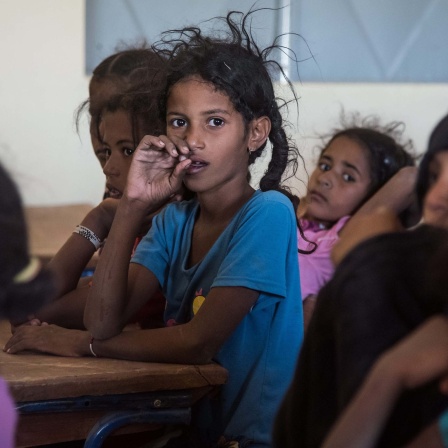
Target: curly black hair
[232,62]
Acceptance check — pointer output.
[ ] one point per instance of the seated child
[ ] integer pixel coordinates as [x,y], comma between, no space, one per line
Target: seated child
[355,163]
[124,120]
[381,292]
[226,259]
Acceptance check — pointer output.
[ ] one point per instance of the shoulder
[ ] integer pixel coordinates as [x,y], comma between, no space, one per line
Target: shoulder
[270,199]
[270,208]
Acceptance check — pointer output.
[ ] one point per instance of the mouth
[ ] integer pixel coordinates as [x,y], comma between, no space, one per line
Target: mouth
[113,192]
[316,196]
[196,166]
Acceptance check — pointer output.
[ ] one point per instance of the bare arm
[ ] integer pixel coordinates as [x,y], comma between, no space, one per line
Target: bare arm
[195,342]
[71,259]
[379,214]
[397,194]
[430,437]
[67,265]
[155,175]
[380,221]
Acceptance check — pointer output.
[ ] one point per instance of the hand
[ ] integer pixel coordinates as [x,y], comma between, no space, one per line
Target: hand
[31,320]
[422,356]
[157,170]
[48,339]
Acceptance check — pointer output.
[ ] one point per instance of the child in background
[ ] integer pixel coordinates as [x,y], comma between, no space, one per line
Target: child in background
[124,71]
[226,260]
[124,120]
[355,163]
[23,285]
[380,331]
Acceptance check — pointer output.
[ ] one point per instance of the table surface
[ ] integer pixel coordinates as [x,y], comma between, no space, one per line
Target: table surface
[50,227]
[33,376]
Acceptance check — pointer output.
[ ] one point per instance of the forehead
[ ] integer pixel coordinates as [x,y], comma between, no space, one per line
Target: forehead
[116,124]
[194,91]
[346,150]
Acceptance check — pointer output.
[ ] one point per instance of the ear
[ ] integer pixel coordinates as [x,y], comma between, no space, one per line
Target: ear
[258,132]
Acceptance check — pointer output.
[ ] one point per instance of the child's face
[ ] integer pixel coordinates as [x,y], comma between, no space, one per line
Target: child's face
[118,143]
[340,182]
[435,204]
[99,93]
[213,130]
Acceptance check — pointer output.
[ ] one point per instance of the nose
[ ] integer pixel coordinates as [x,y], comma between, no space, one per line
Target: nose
[325,179]
[194,137]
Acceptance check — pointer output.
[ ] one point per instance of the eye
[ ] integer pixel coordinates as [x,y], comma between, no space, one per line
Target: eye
[101,154]
[215,122]
[348,178]
[433,172]
[323,166]
[178,122]
[128,151]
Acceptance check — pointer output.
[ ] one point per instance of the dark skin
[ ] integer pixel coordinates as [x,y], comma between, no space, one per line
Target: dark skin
[207,142]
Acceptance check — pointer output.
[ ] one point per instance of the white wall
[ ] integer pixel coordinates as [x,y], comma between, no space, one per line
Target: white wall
[42,81]
[419,106]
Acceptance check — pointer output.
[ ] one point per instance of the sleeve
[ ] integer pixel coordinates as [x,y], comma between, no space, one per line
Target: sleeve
[257,256]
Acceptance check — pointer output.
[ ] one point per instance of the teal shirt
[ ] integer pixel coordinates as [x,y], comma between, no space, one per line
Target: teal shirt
[443,427]
[257,250]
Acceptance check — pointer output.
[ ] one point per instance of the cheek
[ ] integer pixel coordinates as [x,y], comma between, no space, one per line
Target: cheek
[357,198]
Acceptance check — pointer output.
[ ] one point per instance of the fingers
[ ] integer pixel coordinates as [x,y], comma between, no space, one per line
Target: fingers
[179,172]
[35,322]
[174,146]
[16,343]
[25,337]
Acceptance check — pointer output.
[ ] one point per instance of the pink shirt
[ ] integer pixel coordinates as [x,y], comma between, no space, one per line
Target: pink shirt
[8,417]
[317,268]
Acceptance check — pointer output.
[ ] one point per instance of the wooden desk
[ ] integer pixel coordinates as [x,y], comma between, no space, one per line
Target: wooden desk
[87,389]
[50,227]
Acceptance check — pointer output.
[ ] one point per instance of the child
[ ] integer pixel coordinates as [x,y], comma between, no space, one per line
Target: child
[124,91]
[226,260]
[125,119]
[356,162]
[380,293]
[23,285]
[125,71]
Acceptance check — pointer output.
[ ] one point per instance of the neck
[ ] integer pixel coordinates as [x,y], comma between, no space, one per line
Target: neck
[221,207]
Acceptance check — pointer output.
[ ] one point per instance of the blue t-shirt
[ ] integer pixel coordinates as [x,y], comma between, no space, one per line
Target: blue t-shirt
[257,250]
[443,427]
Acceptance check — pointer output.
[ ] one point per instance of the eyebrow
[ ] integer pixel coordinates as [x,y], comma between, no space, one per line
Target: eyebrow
[205,112]
[346,164]
[123,141]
